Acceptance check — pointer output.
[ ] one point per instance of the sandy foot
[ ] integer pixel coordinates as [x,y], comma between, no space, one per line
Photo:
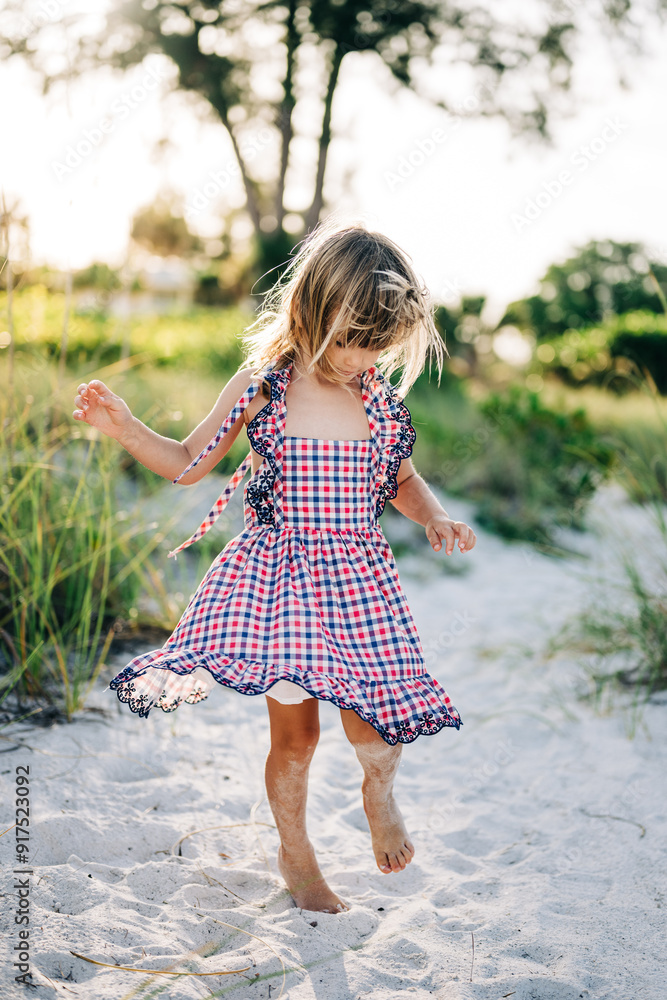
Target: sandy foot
[306,883]
[391,843]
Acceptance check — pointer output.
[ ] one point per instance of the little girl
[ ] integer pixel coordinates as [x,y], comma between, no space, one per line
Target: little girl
[305,604]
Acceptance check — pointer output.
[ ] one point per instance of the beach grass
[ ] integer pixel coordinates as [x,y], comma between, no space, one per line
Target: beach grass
[624,628]
[71,563]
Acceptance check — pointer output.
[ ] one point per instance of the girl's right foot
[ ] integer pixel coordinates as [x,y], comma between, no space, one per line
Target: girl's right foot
[392,846]
[306,883]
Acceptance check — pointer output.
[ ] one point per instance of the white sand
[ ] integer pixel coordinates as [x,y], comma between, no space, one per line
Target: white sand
[539,827]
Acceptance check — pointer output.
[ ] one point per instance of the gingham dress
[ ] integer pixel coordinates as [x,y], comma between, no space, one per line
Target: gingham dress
[309,591]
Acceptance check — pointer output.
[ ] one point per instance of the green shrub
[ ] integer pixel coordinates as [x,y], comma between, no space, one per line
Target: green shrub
[648,350]
[613,354]
[538,468]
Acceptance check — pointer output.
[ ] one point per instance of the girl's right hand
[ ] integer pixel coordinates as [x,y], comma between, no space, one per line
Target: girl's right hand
[99,407]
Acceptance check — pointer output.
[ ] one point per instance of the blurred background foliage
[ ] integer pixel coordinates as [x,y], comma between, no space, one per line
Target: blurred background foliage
[601,280]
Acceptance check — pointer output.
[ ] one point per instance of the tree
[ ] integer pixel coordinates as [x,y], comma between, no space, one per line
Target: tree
[97,275]
[162,230]
[461,327]
[602,279]
[252,63]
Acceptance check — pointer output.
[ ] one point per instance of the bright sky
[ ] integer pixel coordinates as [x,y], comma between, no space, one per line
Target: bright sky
[456,208]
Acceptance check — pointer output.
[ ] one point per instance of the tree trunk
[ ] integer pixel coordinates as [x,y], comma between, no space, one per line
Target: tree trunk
[315,209]
[285,112]
[253,207]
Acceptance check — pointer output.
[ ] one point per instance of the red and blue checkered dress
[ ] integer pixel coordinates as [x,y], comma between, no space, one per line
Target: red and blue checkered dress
[309,591]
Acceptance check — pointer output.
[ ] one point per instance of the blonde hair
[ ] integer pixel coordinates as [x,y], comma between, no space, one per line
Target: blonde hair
[354,285]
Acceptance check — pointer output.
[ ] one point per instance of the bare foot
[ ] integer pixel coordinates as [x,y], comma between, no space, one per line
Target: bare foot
[391,844]
[306,883]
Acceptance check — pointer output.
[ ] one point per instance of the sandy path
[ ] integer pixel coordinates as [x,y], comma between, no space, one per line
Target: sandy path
[539,827]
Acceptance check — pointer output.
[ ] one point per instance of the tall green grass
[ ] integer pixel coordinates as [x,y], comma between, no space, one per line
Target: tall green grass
[623,634]
[627,620]
[70,565]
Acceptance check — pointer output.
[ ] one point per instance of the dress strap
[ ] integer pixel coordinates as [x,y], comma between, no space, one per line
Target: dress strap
[392,430]
[226,495]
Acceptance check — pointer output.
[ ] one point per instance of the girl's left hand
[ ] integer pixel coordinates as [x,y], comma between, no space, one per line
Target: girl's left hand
[440,528]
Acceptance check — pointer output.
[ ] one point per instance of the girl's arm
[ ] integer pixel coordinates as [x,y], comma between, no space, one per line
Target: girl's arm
[415,500]
[99,407]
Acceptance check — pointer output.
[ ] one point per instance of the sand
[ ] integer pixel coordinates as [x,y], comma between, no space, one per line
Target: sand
[539,827]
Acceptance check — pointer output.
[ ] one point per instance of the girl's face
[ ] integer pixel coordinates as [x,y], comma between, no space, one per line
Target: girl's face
[351,361]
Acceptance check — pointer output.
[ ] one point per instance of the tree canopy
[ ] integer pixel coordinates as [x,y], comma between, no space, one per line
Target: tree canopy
[255,64]
[600,280]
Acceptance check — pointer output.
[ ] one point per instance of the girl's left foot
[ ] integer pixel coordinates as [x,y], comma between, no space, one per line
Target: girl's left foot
[305,882]
[392,846]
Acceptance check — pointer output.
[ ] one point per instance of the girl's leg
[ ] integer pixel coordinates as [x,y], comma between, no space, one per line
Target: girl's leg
[392,846]
[295,730]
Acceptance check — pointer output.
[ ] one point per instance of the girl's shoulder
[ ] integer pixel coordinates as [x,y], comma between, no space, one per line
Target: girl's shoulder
[245,377]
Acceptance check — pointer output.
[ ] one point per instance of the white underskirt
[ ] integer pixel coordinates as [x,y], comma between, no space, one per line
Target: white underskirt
[288,693]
